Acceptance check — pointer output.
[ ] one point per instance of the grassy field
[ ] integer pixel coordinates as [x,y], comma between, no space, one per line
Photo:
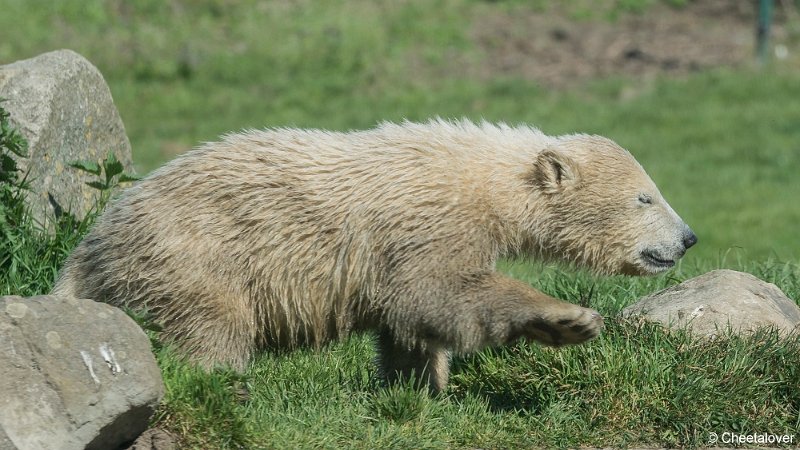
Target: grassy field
[723,145]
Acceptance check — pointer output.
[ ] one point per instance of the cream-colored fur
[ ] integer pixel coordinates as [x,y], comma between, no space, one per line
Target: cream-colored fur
[288,237]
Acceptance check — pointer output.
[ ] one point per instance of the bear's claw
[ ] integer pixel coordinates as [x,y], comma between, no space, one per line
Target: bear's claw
[580,325]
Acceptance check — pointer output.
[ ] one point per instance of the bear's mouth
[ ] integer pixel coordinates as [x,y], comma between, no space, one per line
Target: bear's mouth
[655,260]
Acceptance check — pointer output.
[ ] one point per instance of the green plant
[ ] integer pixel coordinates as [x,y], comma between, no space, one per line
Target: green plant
[110,173]
[29,256]
[11,142]
[12,186]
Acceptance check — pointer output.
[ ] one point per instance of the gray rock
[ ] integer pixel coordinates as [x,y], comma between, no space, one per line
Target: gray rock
[5,442]
[711,303]
[63,107]
[74,374]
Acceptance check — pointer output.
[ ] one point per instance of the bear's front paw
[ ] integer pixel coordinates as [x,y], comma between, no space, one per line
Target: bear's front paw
[573,326]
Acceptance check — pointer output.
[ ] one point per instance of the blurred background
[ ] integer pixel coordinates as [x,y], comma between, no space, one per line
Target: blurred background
[677,82]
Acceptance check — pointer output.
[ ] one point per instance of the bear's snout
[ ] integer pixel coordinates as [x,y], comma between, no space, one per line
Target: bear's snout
[689,239]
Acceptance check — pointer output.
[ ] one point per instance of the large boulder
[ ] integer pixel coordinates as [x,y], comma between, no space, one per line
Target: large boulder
[63,107]
[717,301]
[74,374]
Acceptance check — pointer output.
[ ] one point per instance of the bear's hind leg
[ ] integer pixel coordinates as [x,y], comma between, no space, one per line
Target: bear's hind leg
[427,367]
[214,340]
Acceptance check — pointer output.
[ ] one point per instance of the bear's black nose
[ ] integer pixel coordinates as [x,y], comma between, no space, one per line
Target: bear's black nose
[689,239]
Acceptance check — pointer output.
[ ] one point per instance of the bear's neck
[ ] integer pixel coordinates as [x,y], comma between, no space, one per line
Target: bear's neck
[501,201]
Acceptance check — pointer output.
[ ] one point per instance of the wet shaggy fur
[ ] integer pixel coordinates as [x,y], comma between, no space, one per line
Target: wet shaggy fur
[287,237]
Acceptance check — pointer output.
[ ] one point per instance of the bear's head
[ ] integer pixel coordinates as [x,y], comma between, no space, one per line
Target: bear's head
[596,207]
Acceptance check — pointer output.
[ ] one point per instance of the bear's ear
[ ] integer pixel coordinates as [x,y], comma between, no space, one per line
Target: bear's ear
[553,171]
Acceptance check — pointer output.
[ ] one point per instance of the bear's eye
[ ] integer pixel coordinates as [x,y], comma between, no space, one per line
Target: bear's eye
[645,199]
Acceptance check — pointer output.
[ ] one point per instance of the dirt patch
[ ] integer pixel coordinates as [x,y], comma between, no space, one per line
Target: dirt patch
[557,49]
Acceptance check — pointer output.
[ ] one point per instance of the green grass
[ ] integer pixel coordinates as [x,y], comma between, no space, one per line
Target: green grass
[723,145]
